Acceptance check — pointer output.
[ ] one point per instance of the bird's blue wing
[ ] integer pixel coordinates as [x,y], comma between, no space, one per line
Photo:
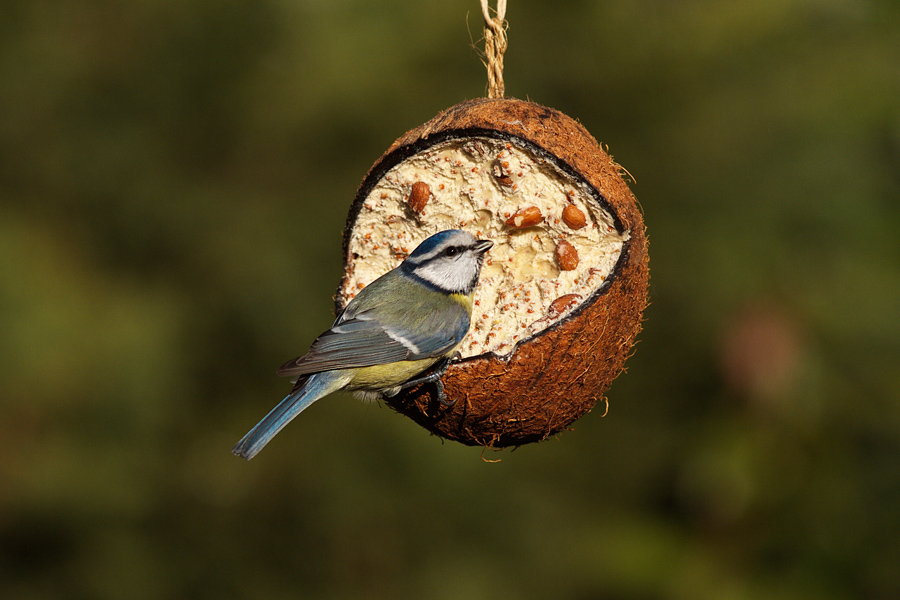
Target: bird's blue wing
[364,341]
[351,344]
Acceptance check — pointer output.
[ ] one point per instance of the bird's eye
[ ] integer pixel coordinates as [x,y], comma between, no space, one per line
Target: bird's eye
[452,251]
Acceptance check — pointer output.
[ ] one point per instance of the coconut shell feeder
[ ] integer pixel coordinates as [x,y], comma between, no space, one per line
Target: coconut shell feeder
[561,294]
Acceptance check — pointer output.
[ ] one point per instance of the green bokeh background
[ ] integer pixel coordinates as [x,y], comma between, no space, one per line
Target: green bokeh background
[174,177]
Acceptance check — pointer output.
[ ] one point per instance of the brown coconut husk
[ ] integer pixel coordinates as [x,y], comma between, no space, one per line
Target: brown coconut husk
[558,375]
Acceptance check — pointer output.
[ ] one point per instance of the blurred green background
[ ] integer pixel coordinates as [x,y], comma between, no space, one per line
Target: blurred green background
[174,177]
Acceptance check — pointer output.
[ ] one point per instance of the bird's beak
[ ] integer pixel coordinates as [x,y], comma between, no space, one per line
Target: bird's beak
[482,246]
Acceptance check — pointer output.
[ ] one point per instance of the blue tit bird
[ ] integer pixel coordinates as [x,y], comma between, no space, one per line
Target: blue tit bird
[405,322]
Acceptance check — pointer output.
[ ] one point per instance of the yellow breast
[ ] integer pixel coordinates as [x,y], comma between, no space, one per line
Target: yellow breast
[379,377]
[466,301]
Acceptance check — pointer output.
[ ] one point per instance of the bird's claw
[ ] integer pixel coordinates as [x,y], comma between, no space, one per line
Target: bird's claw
[434,378]
[442,398]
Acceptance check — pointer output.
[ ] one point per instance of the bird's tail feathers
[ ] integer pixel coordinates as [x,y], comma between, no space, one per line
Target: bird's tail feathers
[314,387]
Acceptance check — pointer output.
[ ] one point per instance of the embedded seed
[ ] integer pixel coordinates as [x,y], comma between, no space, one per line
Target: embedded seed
[500,173]
[419,196]
[525,217]
[475,148]
[562,304]
[573,217]
[566,255]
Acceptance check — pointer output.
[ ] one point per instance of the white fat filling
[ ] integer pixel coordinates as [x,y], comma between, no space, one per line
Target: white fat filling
[477,184]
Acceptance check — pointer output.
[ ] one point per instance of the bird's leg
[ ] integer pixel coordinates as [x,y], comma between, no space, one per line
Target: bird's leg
[433,377]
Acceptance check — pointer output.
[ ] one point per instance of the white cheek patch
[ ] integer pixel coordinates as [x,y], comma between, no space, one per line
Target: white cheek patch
[451,275]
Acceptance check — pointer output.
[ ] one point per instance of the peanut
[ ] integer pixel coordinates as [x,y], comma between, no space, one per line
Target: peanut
[419,196]
[562,304]
[525,217]
[573,217]
[566,255]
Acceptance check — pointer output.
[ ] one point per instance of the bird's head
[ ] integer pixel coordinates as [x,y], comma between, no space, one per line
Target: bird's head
[450,261]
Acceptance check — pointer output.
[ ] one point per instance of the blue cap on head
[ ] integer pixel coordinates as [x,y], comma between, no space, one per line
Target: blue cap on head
[430,243]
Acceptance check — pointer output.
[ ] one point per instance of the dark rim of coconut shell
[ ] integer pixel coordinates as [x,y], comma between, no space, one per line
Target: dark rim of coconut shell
[386,163]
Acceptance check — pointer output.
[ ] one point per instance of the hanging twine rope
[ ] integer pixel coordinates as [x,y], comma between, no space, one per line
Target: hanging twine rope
[494,46]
